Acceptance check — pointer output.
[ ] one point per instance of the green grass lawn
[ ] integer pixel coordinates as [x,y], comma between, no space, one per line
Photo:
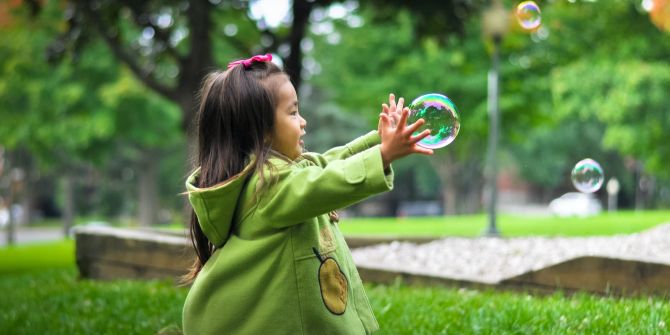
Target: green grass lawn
[36,256]
[55,302]
[624,222]
[39,298]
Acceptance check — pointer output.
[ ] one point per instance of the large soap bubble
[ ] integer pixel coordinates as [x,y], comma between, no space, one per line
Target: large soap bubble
[441,118]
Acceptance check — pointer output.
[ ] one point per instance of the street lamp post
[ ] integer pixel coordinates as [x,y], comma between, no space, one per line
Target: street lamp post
[495,26]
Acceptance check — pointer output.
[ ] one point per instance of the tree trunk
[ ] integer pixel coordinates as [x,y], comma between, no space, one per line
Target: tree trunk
[11,225]
[148,189]
[445,170]
[301,11]
[68,204]
[28,193]
[470,186]
[461,184]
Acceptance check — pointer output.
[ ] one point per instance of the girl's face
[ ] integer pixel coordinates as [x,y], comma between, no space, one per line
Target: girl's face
[289,125]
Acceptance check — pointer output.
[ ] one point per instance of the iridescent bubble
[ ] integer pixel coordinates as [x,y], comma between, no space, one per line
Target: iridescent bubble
[441,118]
[587,176]
[528,15]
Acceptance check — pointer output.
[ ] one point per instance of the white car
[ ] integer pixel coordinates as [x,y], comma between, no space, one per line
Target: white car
[17,215]
[576,204]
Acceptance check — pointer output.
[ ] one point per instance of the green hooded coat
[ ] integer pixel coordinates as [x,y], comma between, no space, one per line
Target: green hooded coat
[280,265]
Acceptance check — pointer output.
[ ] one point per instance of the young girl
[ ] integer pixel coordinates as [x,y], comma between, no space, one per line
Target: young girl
[270,258]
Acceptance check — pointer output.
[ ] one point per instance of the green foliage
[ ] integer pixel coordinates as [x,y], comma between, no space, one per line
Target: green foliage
[74,110]
[82,113]
[373,60]
[51,110]
[360,71]
[629,97]
[565,74]
[142,118]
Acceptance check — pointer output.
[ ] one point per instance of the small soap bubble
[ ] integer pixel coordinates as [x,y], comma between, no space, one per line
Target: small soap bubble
[528,15]
[587,176]
[441,118]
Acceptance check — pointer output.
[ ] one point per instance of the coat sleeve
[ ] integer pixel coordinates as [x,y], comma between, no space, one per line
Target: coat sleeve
[303,191]
[359,144]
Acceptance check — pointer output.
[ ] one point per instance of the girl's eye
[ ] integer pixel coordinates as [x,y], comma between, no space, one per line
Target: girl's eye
[294,113]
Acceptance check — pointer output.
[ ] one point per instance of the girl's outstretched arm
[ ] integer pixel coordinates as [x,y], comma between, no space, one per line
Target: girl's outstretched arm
[359,144]
[307,189]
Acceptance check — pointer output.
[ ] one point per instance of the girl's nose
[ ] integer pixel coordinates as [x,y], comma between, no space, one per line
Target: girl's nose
[303,122]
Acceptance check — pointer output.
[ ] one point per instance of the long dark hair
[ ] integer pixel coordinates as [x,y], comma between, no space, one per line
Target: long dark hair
[234,120]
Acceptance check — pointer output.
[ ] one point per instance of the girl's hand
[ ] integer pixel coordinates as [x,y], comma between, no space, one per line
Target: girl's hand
[393,110]
[397,141]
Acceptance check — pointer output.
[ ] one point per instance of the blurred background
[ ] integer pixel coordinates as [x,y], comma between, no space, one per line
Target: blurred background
[97,100]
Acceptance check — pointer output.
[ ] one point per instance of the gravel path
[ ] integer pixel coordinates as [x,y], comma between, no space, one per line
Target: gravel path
[489,260]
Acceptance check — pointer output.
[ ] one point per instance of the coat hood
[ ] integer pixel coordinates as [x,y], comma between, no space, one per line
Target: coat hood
[215,206]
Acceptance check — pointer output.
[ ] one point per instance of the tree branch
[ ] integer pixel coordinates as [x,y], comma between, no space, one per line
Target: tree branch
[115,45]
[160,34]
[301,11]
[238,44]
[199,22]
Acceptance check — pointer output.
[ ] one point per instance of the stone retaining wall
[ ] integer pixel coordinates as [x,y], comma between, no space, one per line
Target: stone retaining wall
[113,253]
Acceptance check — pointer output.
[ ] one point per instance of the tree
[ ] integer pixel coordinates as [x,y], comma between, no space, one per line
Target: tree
[571,90]
[170,45]
[630,98]
[76,113]
[364,66]
[158,38]
[46,110]
[543,146]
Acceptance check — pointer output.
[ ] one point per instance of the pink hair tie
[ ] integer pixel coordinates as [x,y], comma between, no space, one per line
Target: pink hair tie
[247,62]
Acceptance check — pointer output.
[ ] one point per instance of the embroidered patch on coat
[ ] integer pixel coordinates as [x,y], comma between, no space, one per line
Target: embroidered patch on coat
[333,284]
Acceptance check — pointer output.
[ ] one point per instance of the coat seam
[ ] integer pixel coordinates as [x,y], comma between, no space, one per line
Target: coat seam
[297,287]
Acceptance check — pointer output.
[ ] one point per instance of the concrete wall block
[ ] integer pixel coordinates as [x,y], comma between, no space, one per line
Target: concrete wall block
[111,253]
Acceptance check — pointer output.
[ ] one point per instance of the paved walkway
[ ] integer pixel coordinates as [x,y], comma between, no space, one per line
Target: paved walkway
[33,234]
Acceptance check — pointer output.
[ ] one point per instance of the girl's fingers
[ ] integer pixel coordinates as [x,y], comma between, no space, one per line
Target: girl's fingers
[392,101]
[384,119]
[403,119]
[385,108]
[415,126]
[422,150]
[419,137]
[396,116]
[401,102]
